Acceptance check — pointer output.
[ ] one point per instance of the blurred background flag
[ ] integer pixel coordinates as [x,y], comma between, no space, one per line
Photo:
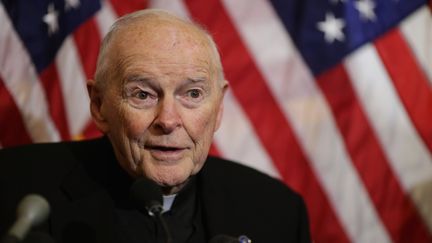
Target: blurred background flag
[333,97]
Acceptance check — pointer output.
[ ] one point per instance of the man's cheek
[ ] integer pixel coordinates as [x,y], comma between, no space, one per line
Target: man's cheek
[135,123]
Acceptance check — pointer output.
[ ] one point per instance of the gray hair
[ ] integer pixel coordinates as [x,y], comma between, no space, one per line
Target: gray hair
[102,68]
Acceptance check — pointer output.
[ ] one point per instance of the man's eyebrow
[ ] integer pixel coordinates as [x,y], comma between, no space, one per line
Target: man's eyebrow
[197,79]
[137,78]
[140,78]
[147,79]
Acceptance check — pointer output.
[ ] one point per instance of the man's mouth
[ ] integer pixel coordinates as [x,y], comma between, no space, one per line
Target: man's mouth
[163,148]
[166,153]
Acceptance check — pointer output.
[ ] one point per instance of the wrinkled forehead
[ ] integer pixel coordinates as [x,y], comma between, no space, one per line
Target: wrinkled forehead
[160,33]
[162,39]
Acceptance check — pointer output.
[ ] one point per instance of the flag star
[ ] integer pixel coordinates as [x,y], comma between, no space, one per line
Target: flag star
[332,28]
[69,4]
[51,19]
[366,9]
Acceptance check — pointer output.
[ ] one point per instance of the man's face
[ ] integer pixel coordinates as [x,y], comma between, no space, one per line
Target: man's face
[163,104]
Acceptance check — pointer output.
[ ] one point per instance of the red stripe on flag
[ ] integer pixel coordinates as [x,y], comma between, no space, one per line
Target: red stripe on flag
[270,124]
[214,150]
[51,84]
[91,131]
[88,43]
[409,80]
[13,131]
[124,7]
[393,206]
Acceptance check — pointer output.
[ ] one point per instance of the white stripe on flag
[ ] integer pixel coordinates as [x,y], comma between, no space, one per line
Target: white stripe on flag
[237,141]
[407,153]
[176,7]
[21,79]
[73,86]
[105,17]
[305,107]
[417,30]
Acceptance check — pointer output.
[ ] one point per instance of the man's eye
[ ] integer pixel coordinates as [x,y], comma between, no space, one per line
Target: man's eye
[194,93]
[139,98]
[141,95]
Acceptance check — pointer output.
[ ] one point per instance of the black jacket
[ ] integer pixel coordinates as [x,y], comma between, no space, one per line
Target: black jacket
[78,178]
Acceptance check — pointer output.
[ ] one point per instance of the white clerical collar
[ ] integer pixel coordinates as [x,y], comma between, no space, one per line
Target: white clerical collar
[168,202]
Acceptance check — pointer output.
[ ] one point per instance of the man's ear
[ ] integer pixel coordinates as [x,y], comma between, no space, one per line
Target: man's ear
[96,100]
[221,106]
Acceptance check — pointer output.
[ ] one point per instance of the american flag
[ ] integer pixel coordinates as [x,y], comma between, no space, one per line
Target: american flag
[333,97]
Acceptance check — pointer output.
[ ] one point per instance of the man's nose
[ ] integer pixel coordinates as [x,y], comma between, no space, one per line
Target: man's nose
[168,118]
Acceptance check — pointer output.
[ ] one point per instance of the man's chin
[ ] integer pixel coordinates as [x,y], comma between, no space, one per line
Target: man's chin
[173,188]
[171,184]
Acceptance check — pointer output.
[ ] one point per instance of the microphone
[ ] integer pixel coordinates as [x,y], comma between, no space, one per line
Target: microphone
[32,210]
[147,197]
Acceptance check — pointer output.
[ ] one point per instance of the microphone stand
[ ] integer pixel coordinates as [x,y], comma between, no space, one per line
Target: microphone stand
[162,222]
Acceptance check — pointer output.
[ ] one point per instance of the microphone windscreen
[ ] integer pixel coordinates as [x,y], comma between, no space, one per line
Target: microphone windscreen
[32,210]
[146,195]
[33,207]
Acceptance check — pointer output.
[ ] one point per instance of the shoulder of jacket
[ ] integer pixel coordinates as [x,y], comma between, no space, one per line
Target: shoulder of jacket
[41,160]
[245,180]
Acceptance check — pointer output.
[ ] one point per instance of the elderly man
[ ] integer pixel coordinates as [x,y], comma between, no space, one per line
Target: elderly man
[157,97]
